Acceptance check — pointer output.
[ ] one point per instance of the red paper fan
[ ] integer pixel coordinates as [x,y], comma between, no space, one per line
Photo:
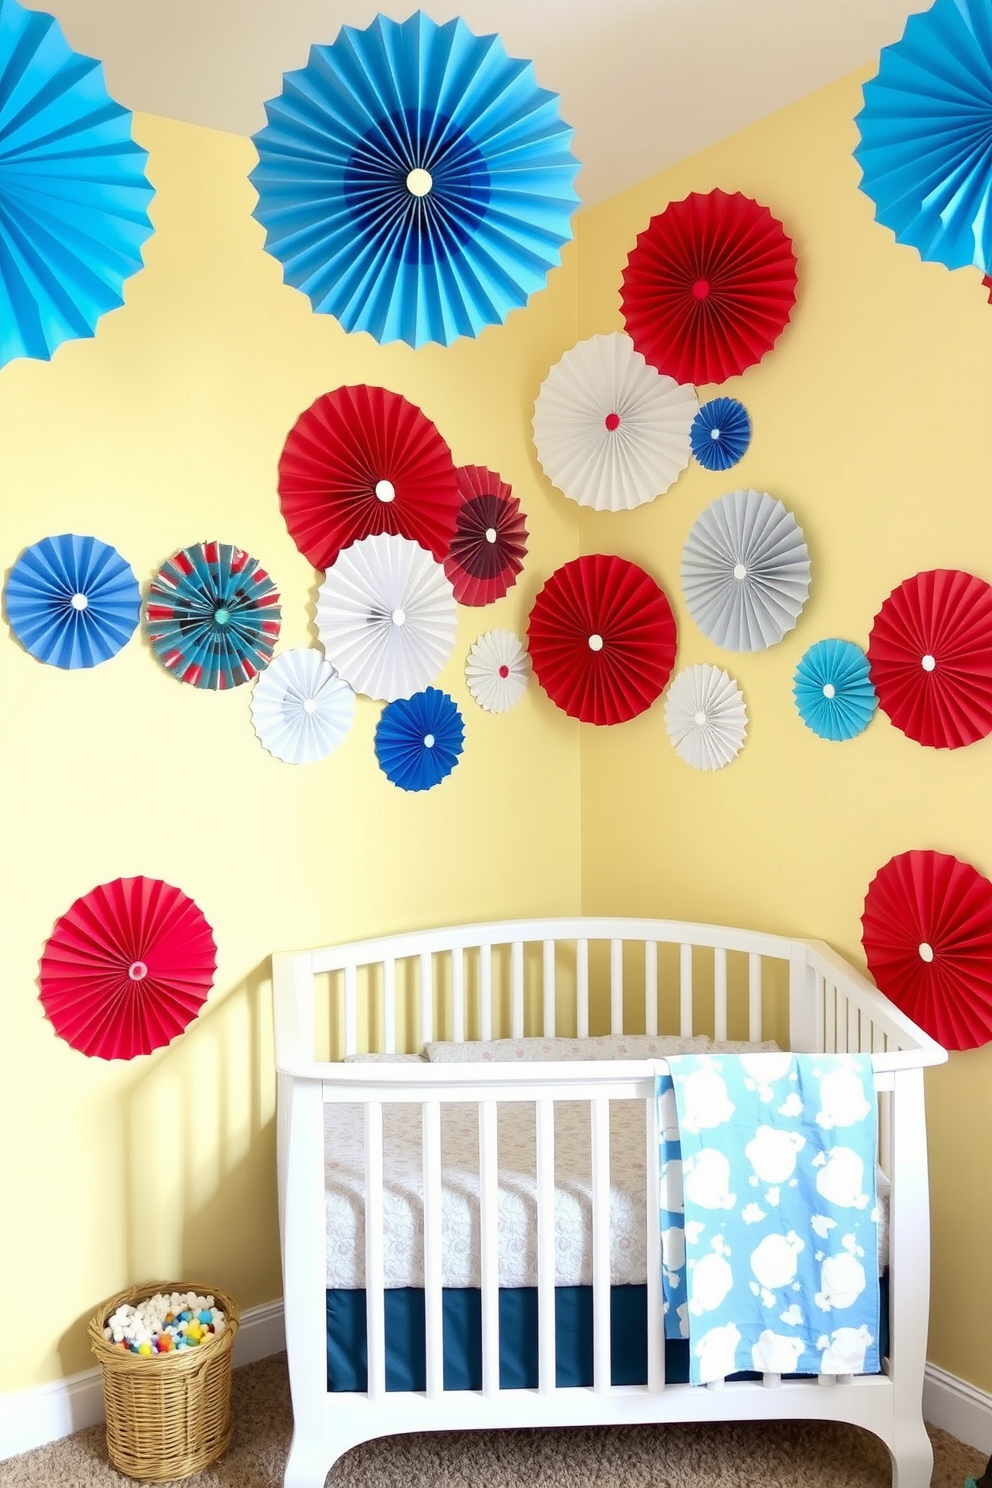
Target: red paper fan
[709,287]
[927,934]
[930,653]
[363,461]
[490,539]
[602,639]
[127,968]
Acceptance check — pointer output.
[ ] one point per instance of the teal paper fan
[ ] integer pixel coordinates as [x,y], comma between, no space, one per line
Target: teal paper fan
[833,690]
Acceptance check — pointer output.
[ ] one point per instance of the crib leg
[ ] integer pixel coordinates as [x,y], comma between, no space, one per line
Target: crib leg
[307,1465]
[912,1459]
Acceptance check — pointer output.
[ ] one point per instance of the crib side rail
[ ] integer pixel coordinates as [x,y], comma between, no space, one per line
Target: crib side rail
[834,1009]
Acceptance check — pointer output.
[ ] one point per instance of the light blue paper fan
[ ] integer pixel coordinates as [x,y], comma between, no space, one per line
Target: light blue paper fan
[720,433]
[73,190]
[414,181]
[418,739]
[72,601]
[926,147]
[833,690]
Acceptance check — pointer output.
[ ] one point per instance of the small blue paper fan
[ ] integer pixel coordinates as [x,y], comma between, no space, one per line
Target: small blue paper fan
[418,739]
[833,690]
[72,601]
[720,433]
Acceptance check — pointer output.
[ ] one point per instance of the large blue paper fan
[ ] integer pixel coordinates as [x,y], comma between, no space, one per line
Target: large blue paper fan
[926,150]
[833,690]
[414,181]
[72,601]
[73,190]
[418,739]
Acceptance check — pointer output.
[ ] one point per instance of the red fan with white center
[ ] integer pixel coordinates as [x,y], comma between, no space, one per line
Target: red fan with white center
[927,934]
[363,461]
[602,639]
[490,538]
[127,968]
[930,654]
[709,287]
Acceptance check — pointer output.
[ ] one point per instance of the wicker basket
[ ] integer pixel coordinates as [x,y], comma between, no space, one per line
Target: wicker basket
[168,1415]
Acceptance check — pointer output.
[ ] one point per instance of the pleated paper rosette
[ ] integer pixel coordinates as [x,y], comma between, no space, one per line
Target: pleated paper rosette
[745,571]
[720,433]
[73,191]
[705,717]
[497,671]
[611,432]
[930,652]
[72,601]
[833,690]
[414,181]
[927,934]
[489,543]
[924,142]
[300,708]
[361,461]
[213,616]
[127,968]
[602,639]
[418,739]
[386,617]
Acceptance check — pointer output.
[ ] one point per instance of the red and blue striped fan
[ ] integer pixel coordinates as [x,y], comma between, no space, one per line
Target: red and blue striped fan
[213,616]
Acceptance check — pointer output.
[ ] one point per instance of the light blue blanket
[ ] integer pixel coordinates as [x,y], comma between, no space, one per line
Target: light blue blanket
[769,1216]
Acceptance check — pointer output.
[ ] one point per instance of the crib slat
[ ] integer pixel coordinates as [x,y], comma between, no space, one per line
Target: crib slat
[426,998]
[720,993]
[582,989]
[517,989]
[485,992]
[685,990]
[432,1247]
[350,1010]
[375,1302]
[616,986]
[458,995]
[389,1007]
[489,1222]
[546,1365]
[650,987]
[819,1013]
[600,1135]
[549,989]
[656,1318]
[754,997]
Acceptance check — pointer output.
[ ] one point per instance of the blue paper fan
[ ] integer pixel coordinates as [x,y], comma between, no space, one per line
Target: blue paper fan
[73,190]
[414,181]
[213,616]
[720,433]
[418,739]
[72,601]
[925,155]
[833,690]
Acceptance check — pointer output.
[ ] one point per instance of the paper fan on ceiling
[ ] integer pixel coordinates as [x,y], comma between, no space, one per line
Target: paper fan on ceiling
[609,430]
[418,739]
[213,616]
[930,652]
[414,181]
[602,639]
[497,671]
[833,690]
[300,708]
[720,433]
[127,968]
[709,287]
[490,538]
[361,461]
[924,146]
[927,934]
[745,571]
[73,192]
[705,717]
[72,601]
[386,617]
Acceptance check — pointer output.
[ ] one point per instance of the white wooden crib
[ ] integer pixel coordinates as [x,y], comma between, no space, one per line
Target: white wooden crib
[569,977]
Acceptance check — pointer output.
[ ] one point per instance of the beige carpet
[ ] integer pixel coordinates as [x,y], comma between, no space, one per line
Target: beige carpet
[796,1455]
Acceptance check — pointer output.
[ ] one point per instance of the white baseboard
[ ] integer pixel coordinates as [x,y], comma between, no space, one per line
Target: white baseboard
[957,1407]
[32,1418]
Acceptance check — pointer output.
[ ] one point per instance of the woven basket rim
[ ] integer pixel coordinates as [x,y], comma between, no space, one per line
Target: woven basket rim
[176,1358]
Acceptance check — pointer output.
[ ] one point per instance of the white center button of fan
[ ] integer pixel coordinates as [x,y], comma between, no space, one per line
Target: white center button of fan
[428,741]
[419,181]
[309,706]
[699,718]
[385,490]
[740,571]
[929,662]
[829,690]
[595,643]
[398,617]
[79,601]
[926,952]
[490,534]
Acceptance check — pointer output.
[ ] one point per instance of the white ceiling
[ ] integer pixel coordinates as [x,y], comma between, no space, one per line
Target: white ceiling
[644,82]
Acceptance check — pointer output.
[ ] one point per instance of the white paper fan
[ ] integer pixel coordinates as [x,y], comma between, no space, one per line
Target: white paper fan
[705,717]
[610,431]
[745,571]
[300,708]
[497,670]
[386,616]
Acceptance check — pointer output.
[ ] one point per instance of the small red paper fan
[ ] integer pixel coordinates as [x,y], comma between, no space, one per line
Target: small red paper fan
[709,287]
[927,934]
[602,639]
[127,968]
[930,653]
[490,538]
[362,461]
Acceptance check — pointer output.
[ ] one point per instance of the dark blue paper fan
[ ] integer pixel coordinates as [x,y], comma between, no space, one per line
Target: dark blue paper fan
[414,181]
[73,190]
[833,690]
[72,601]
[720,433]
[925,153]
[418,739]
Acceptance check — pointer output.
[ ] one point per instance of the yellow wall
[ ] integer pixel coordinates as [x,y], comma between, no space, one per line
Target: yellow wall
[871,424]
[162,431]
